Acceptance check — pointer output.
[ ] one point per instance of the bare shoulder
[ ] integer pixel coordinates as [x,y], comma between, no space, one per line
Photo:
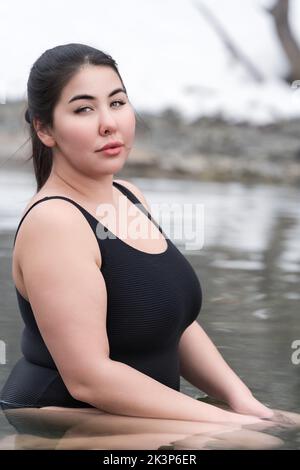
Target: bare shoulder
[55,222]
[52,214]
[135,190]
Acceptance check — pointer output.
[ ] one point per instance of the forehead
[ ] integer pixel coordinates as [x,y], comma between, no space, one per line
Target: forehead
[95,80]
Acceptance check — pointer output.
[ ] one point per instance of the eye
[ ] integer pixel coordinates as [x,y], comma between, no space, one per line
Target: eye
[119,101]
[81,109]
[87,107]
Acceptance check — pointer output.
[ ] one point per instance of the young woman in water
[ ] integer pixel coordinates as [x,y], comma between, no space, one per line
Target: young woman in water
[110,320]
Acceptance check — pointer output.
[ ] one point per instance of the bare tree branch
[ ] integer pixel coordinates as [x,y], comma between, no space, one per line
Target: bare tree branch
[280,12]
[236,53]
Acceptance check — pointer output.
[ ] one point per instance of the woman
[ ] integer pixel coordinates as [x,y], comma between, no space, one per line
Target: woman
[110,321]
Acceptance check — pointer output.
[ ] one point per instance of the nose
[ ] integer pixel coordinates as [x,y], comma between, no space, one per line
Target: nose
[107,123]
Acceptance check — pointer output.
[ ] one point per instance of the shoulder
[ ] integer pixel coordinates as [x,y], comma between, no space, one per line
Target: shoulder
[51,212]
[135,190]
[52,225]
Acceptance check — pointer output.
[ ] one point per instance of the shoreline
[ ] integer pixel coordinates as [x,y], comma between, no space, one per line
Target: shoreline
[220,172]
[207,149]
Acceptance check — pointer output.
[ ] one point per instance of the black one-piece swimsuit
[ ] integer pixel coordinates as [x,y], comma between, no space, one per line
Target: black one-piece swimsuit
[151,299]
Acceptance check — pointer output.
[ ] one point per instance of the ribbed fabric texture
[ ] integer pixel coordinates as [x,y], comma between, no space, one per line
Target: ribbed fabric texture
[151,300]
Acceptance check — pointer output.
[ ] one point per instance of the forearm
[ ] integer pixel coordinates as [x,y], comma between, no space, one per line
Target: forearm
[202,365]
[123,390]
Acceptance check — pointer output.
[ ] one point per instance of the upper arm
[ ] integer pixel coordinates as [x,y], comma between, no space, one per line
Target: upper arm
[190,330]
[66,290]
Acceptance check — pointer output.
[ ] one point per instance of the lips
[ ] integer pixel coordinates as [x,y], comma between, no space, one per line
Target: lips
[110,145]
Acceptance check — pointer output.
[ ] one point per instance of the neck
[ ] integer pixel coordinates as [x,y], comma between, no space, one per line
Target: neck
[90,188]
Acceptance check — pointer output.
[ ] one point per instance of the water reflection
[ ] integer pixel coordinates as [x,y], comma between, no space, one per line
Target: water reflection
[93,429]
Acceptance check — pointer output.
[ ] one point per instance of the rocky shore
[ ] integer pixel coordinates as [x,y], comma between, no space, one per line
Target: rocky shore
[166,146]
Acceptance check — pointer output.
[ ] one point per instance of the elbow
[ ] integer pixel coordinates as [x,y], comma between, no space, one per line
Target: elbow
[89,394]
[91,387]
[79,393]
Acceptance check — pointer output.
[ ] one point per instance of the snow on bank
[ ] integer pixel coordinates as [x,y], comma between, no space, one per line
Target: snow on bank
[167,53]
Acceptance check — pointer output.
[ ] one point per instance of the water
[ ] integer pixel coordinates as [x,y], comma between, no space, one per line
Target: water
[249,268]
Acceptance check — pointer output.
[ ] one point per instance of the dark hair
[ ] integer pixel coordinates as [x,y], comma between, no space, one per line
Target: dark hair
[48,76]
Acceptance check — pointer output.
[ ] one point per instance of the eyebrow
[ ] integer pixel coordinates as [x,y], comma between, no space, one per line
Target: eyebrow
[89,97]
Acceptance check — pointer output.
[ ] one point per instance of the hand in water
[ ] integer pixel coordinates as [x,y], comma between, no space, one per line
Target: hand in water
[249,405]
[243,404]
[285,418]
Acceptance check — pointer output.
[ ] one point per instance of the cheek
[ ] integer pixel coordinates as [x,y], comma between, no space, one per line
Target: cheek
[129,125]
[76,133]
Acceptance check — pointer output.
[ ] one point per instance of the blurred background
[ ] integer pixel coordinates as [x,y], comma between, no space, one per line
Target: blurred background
[216,88]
